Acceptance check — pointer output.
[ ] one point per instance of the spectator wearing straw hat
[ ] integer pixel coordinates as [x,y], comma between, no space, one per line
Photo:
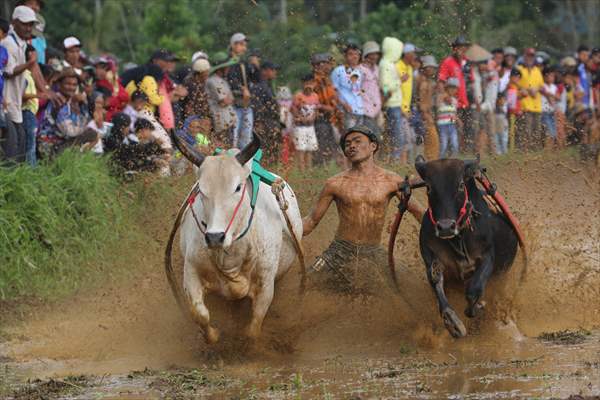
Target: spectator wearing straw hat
[508,63]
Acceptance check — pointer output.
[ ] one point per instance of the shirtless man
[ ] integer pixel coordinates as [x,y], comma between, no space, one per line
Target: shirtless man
[361,194]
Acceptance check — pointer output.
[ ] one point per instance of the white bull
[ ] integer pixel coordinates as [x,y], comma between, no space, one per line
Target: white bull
[227,250]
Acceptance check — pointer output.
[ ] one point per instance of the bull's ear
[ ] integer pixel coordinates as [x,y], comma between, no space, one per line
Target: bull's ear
[250,150]
[188,151]
[420,166]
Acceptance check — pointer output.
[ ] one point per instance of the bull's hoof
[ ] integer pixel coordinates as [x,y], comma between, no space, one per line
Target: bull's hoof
[453,323]
[475,309]
[212,335]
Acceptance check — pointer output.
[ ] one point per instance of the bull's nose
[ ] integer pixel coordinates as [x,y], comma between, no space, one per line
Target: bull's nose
[214,239]
[446,228]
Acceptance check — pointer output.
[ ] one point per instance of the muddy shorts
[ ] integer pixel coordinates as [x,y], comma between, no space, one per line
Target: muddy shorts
[348,267]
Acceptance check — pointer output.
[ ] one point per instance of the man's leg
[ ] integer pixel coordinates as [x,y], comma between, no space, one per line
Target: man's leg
[239,113]
[393,115]
[30,125]
[443,140]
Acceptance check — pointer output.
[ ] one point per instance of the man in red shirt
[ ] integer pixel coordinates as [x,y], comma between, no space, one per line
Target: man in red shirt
[452,67]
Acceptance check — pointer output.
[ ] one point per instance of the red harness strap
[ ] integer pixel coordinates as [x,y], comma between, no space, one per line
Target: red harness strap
[192,199]
[461,214]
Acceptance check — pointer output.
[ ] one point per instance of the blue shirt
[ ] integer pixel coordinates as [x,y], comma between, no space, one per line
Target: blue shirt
[347,82]
[586,84]
[3,61]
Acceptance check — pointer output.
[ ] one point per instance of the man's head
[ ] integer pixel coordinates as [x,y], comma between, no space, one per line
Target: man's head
[102,66]
[4,26]
[321,63]
[72,50]
[510,56]
[352,54]
[460,46]
[143,130]
[68,80]
[201,68]
[238,44]
[409,53]
[138,100]
[583,53]
[23,20]
[428,66]
[254,57]
[371,53]
[359,143]
[498,56]
[452,86]
[165,59]
[515,76]
[308,84]
[268,71]
[595,55]
[529,57]
[549,74]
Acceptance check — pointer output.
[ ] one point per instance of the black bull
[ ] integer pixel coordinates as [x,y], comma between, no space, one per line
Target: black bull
[460,234]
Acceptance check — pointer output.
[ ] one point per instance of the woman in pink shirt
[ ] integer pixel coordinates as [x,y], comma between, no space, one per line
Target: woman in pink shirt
[370,93]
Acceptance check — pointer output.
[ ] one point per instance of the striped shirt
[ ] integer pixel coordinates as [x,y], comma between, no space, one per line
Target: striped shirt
[446,112]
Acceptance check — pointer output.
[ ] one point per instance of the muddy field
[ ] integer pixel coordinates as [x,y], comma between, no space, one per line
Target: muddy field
[539,336]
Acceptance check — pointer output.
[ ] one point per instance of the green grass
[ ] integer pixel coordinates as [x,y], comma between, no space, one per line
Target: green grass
[54,220]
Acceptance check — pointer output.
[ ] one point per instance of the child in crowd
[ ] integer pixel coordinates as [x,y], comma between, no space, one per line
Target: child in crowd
[97,123]
[145,155]
[513,105]
[286,119]
[136,104]
[119,133]
[304,109]
[446,118]
[4,26]
[549,98]
[196,132]
[30,107]
[501,125]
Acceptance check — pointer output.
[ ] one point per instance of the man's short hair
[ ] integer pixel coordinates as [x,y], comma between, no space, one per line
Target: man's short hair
[308,78]
[498,50]
[582,47]
[142,124]
[4,25]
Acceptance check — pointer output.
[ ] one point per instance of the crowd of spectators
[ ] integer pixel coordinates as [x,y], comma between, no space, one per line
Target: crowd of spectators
[473,101]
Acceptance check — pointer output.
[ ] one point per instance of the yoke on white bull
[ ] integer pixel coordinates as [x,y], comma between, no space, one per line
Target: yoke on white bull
[235,239]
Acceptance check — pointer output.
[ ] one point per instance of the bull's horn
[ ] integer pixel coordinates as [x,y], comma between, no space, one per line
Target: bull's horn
[420,159]
[250,150]
[471,166]
[188,151]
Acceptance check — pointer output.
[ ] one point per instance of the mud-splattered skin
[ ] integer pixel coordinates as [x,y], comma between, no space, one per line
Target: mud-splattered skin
[361,195]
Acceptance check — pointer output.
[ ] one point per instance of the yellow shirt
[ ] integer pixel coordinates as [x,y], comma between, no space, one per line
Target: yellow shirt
[32,104]
[406,86]
[531,79]
[149,86]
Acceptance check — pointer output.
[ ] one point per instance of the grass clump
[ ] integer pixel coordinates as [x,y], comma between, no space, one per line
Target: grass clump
[53,219]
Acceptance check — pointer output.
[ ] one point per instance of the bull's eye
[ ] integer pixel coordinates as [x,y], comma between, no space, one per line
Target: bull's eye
[238,188]
[428,189]
[461,187]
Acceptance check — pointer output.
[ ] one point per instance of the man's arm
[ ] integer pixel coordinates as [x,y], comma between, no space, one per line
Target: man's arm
[414,207]
[311,221]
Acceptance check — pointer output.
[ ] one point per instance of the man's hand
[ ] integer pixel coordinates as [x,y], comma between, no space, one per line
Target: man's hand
[404,77]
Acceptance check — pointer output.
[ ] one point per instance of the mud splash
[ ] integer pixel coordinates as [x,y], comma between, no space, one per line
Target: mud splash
[329,346]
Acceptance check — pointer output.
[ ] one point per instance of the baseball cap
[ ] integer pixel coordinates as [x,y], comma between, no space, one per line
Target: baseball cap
[365,130]
[409,48]
[370,47]
[237,37]
[101,60]
[164,54]
[429,61]
[530,51]
[320,58]
[510,51]
[24,14]
[201,65]
[452,81]
[352,46]
[460,41]
[199,54]
[568,62]
[71,41]
[270,65]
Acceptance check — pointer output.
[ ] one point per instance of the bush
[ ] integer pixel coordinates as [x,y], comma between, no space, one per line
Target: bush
[53,220]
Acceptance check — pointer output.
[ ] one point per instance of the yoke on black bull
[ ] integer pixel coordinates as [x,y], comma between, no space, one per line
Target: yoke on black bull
[460,233]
